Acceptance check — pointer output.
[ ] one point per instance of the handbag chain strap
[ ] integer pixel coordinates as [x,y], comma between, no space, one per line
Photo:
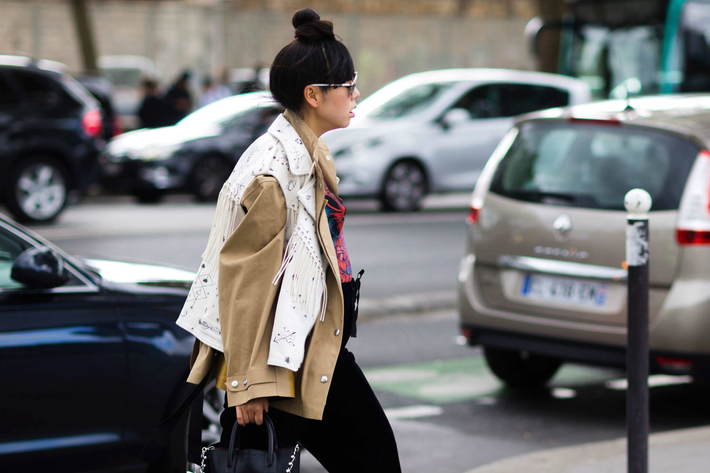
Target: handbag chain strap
[293,459]
[211,447]
[204,457]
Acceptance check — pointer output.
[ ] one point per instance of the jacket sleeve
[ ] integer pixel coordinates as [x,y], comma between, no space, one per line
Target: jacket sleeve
[248,263]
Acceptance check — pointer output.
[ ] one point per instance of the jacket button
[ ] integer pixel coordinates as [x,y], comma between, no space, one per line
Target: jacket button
[245,382]
[324,379]
[235,384]
[327,158]
[337,332]
[320,185]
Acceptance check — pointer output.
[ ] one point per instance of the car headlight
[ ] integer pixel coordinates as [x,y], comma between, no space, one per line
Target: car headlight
[357,148]
[154,153]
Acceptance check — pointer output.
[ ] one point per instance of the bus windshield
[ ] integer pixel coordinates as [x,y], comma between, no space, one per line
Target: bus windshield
[623,48]
[617,62]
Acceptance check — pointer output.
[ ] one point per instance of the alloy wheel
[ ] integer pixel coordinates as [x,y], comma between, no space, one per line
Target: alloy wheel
[404,187]
[212,407]
[209,176]
[40,191]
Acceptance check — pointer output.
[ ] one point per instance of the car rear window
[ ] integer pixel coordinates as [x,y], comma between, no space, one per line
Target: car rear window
[594,166]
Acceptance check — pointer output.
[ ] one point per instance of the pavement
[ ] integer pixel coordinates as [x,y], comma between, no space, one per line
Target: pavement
[679,451]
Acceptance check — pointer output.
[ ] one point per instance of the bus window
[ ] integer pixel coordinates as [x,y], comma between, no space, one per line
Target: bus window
[617,62]
[694,42]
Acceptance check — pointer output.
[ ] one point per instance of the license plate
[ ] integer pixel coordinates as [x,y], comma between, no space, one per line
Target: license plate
[547,288]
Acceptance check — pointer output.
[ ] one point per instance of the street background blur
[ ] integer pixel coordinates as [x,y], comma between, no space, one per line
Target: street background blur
[449,412]
[387,38]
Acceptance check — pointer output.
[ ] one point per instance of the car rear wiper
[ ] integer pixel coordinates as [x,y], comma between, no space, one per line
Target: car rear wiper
[549,197]
[536,195]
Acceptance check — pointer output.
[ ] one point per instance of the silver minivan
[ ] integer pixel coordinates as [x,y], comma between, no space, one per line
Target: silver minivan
[543,280]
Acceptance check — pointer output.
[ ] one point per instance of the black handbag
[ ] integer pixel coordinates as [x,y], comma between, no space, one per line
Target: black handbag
[238,460]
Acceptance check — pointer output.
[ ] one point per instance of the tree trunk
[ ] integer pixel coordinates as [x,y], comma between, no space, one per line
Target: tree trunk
[85,34]
[549,39]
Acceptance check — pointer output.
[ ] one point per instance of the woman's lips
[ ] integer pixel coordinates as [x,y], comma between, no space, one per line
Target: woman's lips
[352,114]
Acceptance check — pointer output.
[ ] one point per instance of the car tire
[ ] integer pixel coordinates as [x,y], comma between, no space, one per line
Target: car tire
[148,196]
[174,457]
[404,187]
[521,370]
[37,189]
[208,177]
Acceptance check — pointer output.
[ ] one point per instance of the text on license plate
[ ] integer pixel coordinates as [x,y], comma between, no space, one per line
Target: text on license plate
[547,288]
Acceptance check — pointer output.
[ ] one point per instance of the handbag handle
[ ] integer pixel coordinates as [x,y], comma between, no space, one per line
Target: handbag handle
[273,443]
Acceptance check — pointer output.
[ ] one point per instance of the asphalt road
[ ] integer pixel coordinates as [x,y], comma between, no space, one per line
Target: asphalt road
[448,412]
[402,254]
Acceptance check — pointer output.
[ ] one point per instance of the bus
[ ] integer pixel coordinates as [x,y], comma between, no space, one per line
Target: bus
[625,48]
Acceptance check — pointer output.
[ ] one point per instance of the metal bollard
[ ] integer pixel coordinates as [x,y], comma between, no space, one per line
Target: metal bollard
[638,203]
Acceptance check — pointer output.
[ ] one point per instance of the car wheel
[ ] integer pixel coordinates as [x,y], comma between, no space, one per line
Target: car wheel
[212,408]
[37,190]
[404,187]
[148,196]
[174,457]
[208,177]
[521,370]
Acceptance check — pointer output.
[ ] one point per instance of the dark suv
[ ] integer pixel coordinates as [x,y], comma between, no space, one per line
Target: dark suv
[50,129]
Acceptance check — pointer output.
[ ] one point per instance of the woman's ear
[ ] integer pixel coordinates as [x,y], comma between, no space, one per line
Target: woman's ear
[313,96]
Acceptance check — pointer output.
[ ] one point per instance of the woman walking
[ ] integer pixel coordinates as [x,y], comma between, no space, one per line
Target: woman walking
[274,302]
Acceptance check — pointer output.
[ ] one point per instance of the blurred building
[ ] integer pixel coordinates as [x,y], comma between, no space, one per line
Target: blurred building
[388,38]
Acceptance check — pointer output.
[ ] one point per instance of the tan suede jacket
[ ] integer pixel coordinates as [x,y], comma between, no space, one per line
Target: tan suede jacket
[248,262]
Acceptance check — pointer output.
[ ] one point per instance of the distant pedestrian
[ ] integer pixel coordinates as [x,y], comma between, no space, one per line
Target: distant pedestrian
[211,92]
[151,113]
[255,84]
[178,99]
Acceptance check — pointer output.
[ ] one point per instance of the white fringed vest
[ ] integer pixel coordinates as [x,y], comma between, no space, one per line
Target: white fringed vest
[302,298]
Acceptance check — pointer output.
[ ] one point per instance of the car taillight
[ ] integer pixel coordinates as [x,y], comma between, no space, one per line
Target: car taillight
[91,123]
[694,212]
[472,215]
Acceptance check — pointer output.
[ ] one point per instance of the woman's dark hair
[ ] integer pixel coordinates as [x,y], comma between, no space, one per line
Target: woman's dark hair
[314,56]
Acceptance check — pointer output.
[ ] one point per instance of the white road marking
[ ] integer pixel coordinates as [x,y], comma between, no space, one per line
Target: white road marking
[563,393]
[413,412]
[653,381]
[486,401]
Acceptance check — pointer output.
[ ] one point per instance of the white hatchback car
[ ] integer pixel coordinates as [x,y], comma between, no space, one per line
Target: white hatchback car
[434,131]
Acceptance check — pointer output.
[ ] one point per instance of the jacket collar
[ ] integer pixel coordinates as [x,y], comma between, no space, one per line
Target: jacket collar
[317,148]
[299,159]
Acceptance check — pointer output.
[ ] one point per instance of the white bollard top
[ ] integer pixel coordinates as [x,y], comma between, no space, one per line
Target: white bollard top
[638,203]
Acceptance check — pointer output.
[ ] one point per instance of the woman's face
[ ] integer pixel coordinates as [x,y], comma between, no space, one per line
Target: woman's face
[336,108]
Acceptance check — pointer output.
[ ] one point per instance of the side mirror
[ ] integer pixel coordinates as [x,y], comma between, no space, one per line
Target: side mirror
[39,268]
[454,117]
[532,35]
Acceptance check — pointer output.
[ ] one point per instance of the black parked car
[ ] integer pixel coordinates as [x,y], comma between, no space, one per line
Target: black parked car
[103,90]
[90,356]
[50,137]
[195,155]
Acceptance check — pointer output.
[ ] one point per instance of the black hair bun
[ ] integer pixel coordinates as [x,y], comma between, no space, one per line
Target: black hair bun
[310,28]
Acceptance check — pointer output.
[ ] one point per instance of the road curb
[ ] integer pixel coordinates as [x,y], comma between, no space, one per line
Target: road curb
[406,304]
[590,456]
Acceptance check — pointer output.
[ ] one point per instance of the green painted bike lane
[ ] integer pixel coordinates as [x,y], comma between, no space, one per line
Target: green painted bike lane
[465,379]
